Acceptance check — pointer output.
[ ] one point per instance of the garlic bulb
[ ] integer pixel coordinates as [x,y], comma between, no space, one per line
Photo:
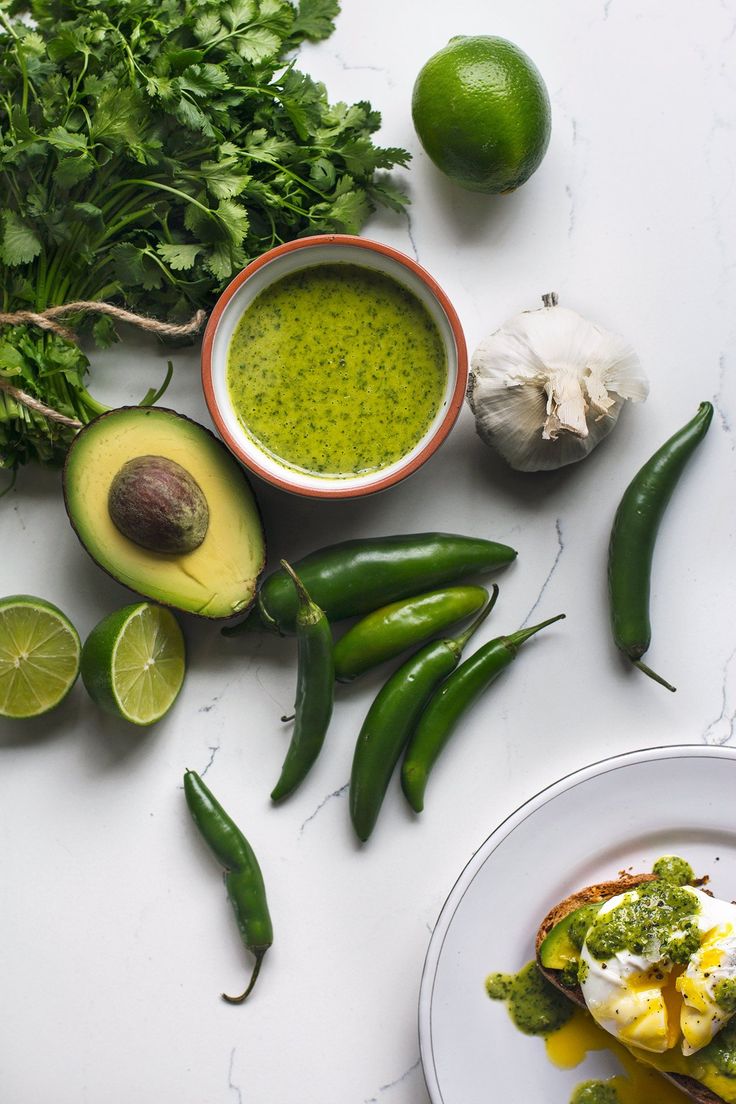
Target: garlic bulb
[549,385]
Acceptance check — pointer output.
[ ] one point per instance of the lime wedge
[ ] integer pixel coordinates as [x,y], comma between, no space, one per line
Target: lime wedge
[133,662]
[39,656]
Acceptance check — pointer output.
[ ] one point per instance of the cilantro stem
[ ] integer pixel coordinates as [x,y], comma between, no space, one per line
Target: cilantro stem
[298,179]
[160,186]
[272,92]
[116,227]
[237,32]
[8,25]
[41,281]
[14,189]
[79,79]
[90,402]
[120,205]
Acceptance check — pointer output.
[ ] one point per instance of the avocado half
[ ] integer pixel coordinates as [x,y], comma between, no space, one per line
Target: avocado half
[219,578]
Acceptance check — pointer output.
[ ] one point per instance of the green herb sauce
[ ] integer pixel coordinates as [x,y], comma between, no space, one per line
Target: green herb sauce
[580,922]
[724,992]
[672,869]
[336,370]
[535,1006]
[594,1092]
[655,912]
[721,1052]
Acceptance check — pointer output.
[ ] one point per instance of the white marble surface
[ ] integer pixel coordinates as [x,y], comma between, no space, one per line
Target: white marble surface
[115,934]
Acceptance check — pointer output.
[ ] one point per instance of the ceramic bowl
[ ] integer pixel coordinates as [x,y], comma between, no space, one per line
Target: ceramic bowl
[280,262]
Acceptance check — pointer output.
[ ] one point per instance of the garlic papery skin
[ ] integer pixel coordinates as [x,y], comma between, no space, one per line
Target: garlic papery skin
[549,385]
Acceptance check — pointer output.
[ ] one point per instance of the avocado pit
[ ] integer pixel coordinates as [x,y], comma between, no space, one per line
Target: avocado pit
[157,504]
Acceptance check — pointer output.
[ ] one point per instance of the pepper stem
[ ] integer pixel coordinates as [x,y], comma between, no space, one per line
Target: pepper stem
[653,675]
[300,588]
[460,641]
[517,639]
[253,978]
[309,612]
[257,620]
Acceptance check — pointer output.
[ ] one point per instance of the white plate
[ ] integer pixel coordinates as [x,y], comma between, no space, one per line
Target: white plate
[621,813]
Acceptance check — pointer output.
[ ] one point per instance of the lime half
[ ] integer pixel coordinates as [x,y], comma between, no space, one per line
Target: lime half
[133,662]
[39,656]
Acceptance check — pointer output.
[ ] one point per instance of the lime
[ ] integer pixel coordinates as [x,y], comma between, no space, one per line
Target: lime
[481,111]
[133,662]
[39,656]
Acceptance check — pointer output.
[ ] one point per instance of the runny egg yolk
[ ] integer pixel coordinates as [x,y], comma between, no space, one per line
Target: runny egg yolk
[636,1084]
[648,1003]
[701,1015]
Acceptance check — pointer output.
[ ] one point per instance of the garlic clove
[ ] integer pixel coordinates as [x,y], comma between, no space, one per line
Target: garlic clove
[549,385]
[566,406]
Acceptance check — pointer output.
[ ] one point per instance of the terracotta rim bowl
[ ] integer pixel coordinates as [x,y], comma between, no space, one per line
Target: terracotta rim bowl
[305,253]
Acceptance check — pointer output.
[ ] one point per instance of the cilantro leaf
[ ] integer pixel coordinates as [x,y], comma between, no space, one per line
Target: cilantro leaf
[390,196]
[19,243]
[178,255]
[201,80]
[11,360]
[315,18]
[238,13]
[223,179]
[207,25]
[72,170]
[258,45]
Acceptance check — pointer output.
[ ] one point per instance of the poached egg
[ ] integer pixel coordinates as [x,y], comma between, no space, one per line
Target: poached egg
[644,998]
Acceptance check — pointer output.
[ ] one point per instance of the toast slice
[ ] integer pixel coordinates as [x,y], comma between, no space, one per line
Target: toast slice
[602,891]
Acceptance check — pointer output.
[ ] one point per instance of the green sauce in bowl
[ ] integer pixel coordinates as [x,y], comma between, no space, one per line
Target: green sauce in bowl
[336,370]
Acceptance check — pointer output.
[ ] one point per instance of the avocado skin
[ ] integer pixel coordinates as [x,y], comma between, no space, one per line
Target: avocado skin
[215,591]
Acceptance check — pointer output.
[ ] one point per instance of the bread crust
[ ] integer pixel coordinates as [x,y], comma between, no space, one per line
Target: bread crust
[602,891]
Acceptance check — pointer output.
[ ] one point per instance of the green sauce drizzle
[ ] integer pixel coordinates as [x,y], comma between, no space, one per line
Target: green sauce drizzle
[724,992]
[580,922]
[594,1092]
[336,370]
[672,869]
[721,1053]
[535,1006]
[657,913]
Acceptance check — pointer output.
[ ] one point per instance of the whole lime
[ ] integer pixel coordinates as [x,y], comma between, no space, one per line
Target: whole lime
[481,111]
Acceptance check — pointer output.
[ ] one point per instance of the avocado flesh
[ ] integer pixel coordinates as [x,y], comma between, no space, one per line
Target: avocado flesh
[218,579]
[558,950]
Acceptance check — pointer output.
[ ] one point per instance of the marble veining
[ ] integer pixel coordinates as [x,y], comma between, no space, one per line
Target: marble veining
[383,1089]
[232,1086]
[339,792]
[721,730]
[213,749]
[558,553]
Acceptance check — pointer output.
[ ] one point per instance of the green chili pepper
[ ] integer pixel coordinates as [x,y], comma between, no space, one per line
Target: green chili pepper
[314,692]
[355,577]
[634,535]
[392,717]
[455,695]
[388,631]
[243,878]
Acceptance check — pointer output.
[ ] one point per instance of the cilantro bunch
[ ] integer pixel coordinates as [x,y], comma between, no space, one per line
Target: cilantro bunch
[148,150]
